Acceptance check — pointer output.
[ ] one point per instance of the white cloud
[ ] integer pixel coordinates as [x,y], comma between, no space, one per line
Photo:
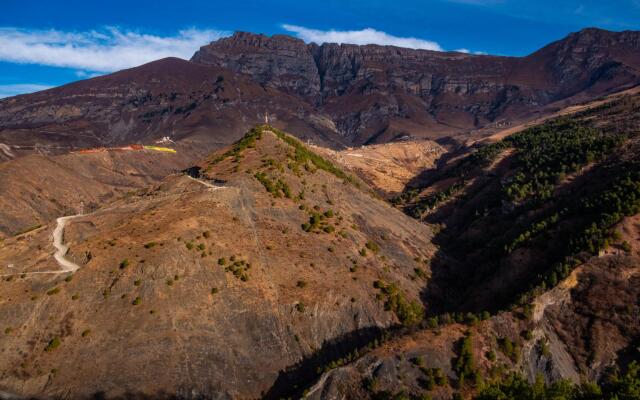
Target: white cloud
[108,50]
[20,88]
[467,51]
[363,36]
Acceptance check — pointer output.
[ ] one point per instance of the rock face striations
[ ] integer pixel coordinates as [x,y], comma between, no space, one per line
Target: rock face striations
[373,93]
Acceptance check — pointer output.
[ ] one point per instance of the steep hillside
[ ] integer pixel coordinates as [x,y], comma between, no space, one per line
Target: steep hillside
[520,212]
[236,281]
[581,330]
[389,167]
[536,274]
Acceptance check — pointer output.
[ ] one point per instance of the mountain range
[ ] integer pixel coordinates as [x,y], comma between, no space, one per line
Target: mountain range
[335,95]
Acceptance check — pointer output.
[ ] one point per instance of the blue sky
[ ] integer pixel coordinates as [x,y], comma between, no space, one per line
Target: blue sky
[49,43]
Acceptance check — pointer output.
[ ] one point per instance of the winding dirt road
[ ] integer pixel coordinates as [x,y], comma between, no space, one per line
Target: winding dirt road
[61,248]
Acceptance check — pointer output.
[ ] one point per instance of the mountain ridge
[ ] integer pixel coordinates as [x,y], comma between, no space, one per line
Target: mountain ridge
[333,94]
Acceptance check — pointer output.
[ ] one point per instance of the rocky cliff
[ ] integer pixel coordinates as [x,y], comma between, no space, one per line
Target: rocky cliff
[371,91]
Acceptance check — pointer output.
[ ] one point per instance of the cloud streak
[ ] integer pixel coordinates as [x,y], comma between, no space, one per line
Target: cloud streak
[106,50]
[20,88]
[363,36]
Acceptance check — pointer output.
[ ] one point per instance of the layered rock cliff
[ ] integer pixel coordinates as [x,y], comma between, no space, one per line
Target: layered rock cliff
[370,91]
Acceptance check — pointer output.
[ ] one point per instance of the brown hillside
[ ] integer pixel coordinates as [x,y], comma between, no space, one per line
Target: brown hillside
[209,285]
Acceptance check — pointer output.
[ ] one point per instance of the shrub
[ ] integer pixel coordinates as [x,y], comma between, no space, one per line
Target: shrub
[222,261]
[301,284]
[136,301]
[75,297]
[509,348]
[53,344]
[214,290]
[53,291]
[420,273]
[206,234]
[464,365]
[418,361]
[86,332]
[408,312]
[68,278]
[124,264]
[137,282]
[373,246]
[626,246]
[149,245]
[300,307]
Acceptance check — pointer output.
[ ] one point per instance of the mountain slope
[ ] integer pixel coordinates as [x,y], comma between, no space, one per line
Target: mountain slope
[536,272]
[38,188]
[201,107]
[226,285]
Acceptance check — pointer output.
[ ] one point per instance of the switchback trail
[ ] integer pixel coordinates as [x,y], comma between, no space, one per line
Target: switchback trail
[61,248]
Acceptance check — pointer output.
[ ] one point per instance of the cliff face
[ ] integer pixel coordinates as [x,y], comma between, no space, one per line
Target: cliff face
[370,91]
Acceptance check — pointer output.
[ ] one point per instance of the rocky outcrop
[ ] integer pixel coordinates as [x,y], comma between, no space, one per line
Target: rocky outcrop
[366,88]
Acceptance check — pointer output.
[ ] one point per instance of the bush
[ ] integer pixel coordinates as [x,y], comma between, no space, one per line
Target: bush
[509,348]
[300,307]
[464,365]
[86,332]
[149,245]
[408,312]
[372,246]
[53,291]
[53,344]
[124,264]
[136,301]
[301,284]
